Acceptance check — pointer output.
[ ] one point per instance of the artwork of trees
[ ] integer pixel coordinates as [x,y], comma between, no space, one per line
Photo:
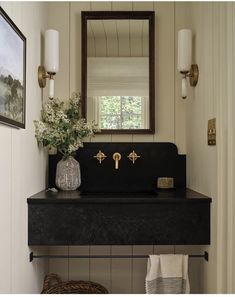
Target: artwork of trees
[12,72]
[11,97]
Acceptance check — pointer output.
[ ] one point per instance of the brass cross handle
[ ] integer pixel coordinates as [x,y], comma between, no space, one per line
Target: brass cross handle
[133,156]
[100,156]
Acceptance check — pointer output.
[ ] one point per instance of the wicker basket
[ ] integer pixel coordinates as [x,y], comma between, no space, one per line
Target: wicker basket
[54,285]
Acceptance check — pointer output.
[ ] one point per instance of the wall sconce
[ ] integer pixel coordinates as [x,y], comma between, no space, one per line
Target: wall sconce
[185,66]
[51,52]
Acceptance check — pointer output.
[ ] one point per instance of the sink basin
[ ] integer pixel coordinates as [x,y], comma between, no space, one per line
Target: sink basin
[119,194]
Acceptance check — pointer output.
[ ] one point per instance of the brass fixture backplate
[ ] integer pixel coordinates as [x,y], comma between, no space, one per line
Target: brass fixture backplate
[211,132]
[42,76]
[193,75]
[100,156]
[133,156]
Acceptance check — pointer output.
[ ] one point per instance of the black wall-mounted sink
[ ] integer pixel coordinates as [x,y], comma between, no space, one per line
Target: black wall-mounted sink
[156,160]
[121,206]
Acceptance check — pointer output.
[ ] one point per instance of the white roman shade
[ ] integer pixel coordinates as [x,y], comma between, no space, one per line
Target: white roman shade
[112,76]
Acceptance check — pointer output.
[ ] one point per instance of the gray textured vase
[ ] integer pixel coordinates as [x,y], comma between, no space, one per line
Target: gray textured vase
[68,175]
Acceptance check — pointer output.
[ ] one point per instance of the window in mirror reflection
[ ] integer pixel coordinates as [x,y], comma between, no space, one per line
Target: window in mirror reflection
[118,74]
[121,112]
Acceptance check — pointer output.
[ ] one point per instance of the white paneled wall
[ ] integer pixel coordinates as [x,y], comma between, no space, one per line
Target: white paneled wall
[203,19]
[22,166]
[123,275]
[211,169]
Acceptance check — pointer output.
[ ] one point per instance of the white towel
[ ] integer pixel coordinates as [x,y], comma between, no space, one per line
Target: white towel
[167,274]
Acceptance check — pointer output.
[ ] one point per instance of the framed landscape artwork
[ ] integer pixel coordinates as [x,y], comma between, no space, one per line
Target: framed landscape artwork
[12,73]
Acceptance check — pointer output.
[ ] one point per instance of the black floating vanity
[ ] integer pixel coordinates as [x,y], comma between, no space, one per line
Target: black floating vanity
[68,218]
[122,207]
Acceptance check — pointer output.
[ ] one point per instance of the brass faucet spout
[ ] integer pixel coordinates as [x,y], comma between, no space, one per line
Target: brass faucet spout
[117,157]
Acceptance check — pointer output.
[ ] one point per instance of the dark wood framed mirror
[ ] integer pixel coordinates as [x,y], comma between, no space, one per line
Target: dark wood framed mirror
[118,84]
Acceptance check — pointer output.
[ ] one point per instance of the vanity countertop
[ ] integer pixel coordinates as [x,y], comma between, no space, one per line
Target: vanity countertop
[161,196]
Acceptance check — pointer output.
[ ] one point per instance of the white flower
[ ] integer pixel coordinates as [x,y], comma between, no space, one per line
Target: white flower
[62,127]
[40,129]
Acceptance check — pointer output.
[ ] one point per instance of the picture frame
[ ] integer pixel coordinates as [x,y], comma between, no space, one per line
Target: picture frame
[12,73]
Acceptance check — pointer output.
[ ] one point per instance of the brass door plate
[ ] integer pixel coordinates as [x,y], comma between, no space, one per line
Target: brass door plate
[211,132]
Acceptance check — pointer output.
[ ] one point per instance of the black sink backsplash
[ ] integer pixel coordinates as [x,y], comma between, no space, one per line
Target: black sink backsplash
[156,160]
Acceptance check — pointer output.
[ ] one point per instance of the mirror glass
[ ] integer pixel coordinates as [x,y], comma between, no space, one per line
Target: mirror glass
[118,73]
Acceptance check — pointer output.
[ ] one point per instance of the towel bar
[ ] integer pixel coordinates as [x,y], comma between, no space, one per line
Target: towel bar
[32,256]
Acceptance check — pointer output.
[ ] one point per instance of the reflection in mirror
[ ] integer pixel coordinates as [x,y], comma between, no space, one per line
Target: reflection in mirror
[118,73]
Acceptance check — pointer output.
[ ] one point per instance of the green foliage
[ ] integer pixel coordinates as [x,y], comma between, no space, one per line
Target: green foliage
[110,105]
[62,127]
[120,112]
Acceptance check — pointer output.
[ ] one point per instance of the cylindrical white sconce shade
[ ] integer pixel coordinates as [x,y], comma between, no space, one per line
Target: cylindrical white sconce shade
[52,51]
[184,50]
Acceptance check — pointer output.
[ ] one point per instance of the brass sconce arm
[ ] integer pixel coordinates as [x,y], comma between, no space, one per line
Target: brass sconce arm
[192,74]
[42,76]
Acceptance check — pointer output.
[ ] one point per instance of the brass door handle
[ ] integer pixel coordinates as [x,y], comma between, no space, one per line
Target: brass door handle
[100,156]
[117,157]
[133,156]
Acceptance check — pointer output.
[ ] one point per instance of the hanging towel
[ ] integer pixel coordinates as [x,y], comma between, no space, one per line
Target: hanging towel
[167,274]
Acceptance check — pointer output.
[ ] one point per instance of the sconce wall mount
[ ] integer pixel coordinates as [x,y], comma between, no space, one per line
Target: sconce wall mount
[42,76]
[193,75]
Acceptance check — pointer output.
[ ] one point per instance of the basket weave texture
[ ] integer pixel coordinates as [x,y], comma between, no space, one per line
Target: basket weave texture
[54,285]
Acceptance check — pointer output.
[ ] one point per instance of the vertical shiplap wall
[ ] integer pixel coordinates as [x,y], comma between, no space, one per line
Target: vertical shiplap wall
[211,169]
[200,107]
[22,166]
[122,275]
[68,79]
